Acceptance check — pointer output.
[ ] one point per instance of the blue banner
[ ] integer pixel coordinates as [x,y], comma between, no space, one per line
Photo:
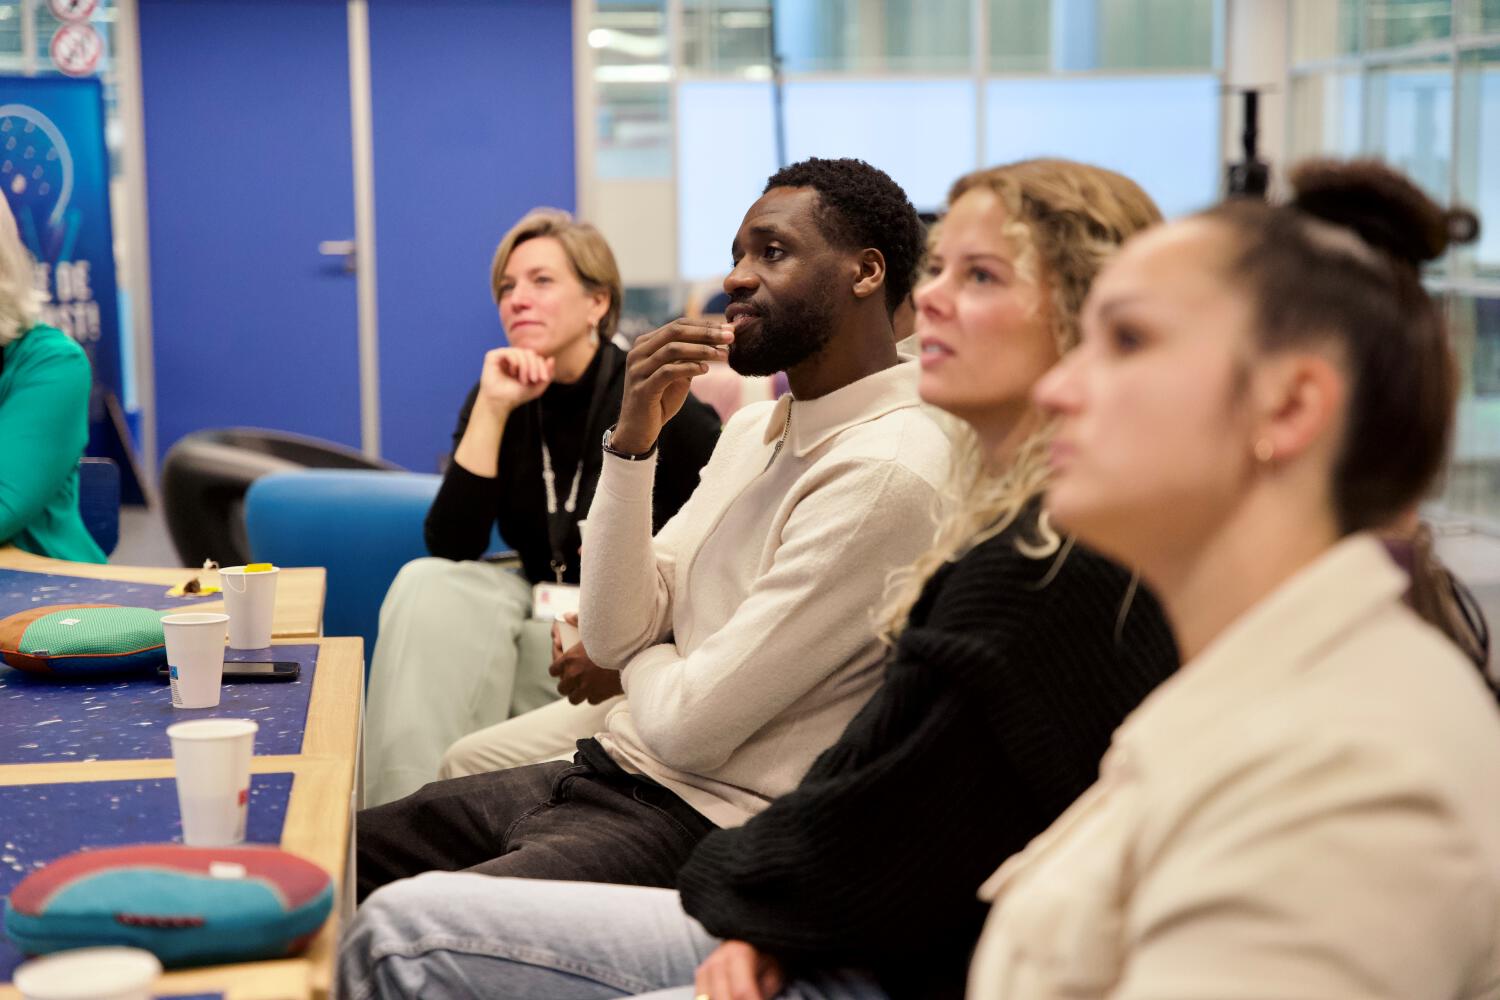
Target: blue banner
[54,168]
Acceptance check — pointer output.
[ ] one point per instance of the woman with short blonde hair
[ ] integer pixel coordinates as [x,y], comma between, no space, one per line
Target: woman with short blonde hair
[459,651]
[584,246]
[44,402]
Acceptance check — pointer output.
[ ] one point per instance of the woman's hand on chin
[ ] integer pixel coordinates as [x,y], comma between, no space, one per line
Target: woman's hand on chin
[512,377]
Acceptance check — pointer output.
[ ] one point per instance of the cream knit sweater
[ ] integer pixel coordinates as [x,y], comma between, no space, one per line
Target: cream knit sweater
[745,628]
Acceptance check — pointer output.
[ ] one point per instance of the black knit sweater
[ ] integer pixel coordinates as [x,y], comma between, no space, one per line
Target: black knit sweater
[997,707]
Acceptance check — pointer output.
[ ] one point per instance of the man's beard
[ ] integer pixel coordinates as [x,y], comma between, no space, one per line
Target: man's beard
[782,338]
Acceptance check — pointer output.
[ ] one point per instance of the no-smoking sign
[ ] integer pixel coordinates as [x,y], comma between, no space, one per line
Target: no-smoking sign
[76,49]
[73,10]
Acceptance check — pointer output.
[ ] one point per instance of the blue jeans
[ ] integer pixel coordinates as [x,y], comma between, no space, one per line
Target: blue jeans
[457,935]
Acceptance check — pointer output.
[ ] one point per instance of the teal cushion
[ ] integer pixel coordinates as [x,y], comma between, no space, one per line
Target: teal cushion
[72,640]
[186,905]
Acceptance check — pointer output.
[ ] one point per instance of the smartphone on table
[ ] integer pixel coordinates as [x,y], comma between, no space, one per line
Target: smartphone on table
[253,670]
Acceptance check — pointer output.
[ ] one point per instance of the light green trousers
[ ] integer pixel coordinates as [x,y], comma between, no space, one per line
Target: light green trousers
[457,652]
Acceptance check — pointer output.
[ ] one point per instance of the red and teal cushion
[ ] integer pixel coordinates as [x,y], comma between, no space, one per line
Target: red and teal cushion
[186,905]
[78,640]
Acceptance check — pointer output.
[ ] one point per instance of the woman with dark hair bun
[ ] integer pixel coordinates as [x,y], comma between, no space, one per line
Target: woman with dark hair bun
[1308,808]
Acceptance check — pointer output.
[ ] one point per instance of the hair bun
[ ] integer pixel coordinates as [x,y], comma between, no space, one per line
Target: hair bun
[1385,208]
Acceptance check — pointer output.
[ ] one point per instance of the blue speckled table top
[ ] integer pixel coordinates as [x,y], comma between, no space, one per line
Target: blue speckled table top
[40,823]
[126,718]
[21,590]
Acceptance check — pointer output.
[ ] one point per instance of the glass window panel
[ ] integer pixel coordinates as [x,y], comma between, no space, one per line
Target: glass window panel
[644,308]
[10,38]
[632,95]
[1326,115]
[629,42]
[1156,34]
[815,36]
[1020,36]
[1480,15]
[634,137]
[1322,29]
[1409,120]
[1392,23]
[1473,481]
[820,36]
[1479,156]
[726,149]
[726,36]
[921,132]
[1161,132]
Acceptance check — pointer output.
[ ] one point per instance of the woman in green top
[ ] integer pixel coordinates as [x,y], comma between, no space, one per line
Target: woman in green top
[44,401]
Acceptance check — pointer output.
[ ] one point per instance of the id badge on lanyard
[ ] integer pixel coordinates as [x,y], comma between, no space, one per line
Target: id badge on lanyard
[560,523]
[553,600]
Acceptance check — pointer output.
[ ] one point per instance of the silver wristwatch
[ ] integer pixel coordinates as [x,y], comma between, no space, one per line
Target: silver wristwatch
[609,434]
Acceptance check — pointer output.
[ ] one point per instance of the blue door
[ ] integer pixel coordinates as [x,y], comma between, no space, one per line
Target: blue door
[249,169]
[472,107]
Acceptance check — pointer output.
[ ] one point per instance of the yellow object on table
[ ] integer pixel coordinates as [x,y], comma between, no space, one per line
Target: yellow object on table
[299,591]
[181,590]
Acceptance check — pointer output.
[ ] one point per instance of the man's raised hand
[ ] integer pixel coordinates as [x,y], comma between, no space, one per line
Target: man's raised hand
[658,373]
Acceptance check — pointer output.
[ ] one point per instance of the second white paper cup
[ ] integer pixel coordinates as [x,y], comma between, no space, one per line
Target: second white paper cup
[89,974]
[250,599]
[195,657]
[212,759]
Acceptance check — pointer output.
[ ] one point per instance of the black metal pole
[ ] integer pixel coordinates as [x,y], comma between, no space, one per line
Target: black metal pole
[1251,177]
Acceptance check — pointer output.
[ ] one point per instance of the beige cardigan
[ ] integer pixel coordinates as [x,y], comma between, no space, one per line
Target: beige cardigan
[745,629]
[1310,809]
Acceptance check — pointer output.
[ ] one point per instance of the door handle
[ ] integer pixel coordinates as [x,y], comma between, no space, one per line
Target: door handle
[346,249]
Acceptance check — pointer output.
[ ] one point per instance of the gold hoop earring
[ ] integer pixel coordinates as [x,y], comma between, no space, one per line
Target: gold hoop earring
[1265,451]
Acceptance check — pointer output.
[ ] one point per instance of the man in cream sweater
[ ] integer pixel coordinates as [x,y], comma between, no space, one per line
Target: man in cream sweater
[744,630]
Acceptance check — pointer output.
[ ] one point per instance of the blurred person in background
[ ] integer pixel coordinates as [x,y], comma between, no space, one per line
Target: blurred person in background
[45,382]
[458,648]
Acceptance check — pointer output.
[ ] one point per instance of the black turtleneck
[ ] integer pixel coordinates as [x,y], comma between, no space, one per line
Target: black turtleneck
[468,506]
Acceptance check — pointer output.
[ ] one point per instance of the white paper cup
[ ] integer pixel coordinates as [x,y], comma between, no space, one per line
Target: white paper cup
[250,599]
[89,974]
[195,657]
[212,758]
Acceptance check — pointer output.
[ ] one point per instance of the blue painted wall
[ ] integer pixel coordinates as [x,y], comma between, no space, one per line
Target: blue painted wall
[248,167]
[473,122]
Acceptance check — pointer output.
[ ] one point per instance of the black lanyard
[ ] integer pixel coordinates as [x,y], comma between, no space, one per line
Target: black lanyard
[562,522]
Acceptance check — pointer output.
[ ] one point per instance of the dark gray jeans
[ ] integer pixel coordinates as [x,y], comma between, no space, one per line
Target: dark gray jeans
[588,821]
